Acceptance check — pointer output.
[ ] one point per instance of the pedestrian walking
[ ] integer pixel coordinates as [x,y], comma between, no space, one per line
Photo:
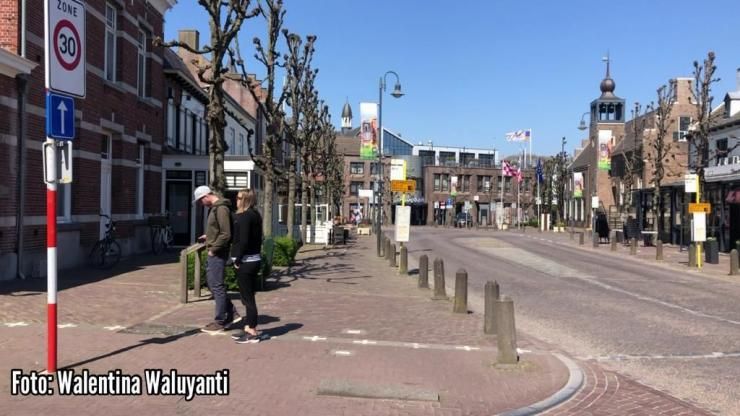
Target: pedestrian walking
[217,240]
[245,251]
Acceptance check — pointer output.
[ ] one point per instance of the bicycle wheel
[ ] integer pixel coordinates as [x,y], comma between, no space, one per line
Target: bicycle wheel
[157,243]
[96,258]
[111,254]
[167,238]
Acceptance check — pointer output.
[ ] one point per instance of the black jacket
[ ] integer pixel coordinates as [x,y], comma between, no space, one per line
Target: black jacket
[247,235]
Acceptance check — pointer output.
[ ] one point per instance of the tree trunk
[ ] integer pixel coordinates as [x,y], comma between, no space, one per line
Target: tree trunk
[268,191]
[304,208]
[290,217]
[313,213]
[216,123]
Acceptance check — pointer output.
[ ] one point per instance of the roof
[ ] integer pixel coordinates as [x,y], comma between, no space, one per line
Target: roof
[582,159]
[348,144]
[346,110]
[174,65]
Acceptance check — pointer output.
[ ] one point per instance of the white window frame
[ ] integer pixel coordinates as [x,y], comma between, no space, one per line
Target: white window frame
[110,30]
[682,133]
[140,182]
[232,141]
[141,64]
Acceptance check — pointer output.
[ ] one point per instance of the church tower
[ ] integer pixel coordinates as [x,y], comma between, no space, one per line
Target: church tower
[346,117]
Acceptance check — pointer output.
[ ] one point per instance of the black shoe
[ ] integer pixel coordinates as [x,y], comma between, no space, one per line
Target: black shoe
[213,328]
[248,339]
[237,334]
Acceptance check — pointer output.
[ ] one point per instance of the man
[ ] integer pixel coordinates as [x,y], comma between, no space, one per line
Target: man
[218,240]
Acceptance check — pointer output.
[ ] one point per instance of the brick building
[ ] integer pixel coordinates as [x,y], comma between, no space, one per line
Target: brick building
[119,135]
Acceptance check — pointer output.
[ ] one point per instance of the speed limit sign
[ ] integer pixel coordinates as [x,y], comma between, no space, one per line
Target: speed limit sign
[65,46]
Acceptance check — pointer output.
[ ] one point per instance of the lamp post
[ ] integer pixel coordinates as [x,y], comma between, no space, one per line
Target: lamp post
[379,206]
[582,126]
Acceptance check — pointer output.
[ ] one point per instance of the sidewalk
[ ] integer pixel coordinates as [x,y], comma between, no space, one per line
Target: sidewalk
[341,324]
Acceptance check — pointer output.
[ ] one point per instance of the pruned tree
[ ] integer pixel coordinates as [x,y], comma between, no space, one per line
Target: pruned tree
[659,154]
[225,20]
[698,137]
[633,160]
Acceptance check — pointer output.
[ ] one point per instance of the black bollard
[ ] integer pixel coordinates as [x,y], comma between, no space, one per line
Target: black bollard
[387,250]
[423,282]
[461,292]
[491,296]
[439,280]
[506,335]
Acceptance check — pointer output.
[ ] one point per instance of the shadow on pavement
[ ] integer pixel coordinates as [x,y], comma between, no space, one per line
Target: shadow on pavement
[71,278]
[281,330]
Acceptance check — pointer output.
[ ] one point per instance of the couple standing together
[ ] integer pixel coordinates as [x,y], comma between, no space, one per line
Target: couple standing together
[241,240]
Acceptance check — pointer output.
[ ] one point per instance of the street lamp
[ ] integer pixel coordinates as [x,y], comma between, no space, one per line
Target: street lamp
[397,93]
[583,125]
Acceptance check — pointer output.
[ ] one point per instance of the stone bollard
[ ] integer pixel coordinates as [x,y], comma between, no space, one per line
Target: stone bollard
[381,249]
[734,262]
[659,250]
[692,255]
[461,292]
[392,258]
[423,282]
[506,331]
[613,241]
[403,267]
[387,249]
[633,246]
[489,318]
[580,238]
[439,280]
[595,240]
[572,233]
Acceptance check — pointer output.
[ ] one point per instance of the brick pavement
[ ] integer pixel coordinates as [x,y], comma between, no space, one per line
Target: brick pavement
[341,314]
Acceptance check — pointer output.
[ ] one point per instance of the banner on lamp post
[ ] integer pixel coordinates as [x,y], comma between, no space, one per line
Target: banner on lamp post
[368,131]
[605,149]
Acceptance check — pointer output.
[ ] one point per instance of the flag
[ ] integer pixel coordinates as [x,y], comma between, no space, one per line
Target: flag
[539,173]
[519,135]
[508,169]
[519,177]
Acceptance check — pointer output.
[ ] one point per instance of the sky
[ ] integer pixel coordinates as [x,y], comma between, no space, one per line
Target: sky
[474,70]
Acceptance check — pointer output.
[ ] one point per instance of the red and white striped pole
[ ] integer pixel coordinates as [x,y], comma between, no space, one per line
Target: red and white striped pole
[50,177]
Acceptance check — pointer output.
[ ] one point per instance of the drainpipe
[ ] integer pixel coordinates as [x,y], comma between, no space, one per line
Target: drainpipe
[22,85]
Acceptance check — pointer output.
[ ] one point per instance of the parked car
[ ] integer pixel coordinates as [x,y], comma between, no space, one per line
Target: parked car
[463,220]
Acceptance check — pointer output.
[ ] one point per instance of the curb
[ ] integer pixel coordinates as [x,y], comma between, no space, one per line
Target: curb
[575,381]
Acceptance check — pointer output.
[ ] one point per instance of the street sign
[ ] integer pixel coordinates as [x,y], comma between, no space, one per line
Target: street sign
[60,116]
[539,201]
[699,227]
[403,223]
[690,181]
[449,201]
[705,207]
[57,162]
[65,46]
[403,186]
[476,198]
[398,170]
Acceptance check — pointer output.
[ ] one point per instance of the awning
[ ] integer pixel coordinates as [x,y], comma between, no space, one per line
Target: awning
[733,197]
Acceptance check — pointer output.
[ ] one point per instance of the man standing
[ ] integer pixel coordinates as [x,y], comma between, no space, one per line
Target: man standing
[217,239]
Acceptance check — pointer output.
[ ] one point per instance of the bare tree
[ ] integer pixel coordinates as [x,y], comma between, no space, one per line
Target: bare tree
[660,149]
[699,136]
[633,161]
[225,21]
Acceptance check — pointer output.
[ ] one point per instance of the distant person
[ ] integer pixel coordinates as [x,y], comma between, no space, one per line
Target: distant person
[245,251]
[217,240]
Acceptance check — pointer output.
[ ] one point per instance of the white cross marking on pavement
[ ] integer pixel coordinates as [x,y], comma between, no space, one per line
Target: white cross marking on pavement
[354,331]
[467,348]
[66,326]
[522,351]
[343,353]
[416,345]
[365,342]
[114,327]
[15,324]
[315,338]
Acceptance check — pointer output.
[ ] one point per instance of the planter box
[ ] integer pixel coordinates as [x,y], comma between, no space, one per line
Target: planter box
[363,230]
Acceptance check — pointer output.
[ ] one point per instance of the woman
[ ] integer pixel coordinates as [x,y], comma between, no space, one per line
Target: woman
[245,250]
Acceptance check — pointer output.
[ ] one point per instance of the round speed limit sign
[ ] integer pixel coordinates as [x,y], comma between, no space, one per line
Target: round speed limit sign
[67,47]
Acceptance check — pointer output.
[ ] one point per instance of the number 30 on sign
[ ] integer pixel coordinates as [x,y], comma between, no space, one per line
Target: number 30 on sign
[65,46]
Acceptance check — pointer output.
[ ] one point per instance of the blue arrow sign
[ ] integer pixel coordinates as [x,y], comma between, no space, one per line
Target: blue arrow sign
[60,116]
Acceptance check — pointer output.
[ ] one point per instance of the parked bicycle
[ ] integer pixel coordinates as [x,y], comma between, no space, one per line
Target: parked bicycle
[161,232]
[106,252]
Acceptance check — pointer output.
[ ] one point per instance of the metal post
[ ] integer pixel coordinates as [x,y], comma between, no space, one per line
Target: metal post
[439,280]
[734,262]
[506,332]
[404,260]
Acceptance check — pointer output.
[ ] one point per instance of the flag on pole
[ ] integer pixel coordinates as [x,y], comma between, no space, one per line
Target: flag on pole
[539,173]
[519,135]
[508,169]
[519,177]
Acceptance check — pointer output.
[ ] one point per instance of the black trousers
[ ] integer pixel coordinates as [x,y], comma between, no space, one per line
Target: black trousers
[247,276]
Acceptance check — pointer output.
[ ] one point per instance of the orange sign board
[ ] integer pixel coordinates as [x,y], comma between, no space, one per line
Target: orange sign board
[700,207]
[403,186]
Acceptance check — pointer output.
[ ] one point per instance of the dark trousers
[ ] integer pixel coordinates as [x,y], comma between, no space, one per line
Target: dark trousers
[215,278]
[247,276]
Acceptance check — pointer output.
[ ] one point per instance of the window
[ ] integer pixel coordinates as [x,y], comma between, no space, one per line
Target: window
[721,152]
[683,129]
[374,168]
[232,141]
[110,43]
[445,183]
[140,181]
[357,168]
[354,188]
[105,148]
[437,186]
[427,157]
[485,160]
[141,64]
[466,158]
[465,183]
[171,126]
[445,157]
[484,183]
[507,180]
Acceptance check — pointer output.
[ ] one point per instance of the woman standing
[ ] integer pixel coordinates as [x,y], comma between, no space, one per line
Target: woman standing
[245,250]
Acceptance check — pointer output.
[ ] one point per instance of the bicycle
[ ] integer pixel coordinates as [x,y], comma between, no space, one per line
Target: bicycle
[106,252]
[161,233]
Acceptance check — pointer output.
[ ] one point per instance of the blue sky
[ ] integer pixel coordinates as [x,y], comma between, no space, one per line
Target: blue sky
[473,70]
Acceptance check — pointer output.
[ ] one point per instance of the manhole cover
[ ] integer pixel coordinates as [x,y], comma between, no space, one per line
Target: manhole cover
[157,329]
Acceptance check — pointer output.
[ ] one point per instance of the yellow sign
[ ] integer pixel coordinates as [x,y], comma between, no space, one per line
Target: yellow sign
[700,207]
[403,186]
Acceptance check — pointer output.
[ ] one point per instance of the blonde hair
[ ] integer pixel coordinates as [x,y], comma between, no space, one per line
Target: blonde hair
[245,199]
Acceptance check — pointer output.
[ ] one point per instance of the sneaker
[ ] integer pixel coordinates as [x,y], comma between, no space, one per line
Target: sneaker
[237,334]
[248,339]
[213,328]
[235,319]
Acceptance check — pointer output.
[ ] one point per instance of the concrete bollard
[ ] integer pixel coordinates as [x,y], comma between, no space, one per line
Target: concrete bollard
[381,249]
[692,255]
[387,250]
[659,250]
[595,240]
[403,267]
[461,292]
[580,238]
[439,280]
[734,262]
[633,246]
[613,241]
[392,258]
[572,235]
[489,318]
[423,282]
[506,331]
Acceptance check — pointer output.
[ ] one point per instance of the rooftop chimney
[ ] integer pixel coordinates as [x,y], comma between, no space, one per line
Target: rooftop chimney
[190,37]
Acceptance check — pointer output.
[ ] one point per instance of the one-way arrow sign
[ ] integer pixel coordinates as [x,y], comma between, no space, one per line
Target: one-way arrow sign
[60,116]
